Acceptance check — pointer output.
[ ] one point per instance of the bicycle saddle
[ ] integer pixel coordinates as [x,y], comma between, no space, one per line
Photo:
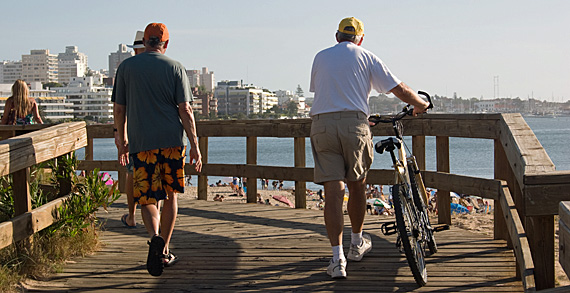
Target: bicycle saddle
[388,144]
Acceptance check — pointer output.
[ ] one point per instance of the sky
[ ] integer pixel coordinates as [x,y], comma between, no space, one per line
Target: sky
[482,49]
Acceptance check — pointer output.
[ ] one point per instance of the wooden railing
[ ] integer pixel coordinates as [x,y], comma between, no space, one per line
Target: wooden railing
[526,188]
[17,155]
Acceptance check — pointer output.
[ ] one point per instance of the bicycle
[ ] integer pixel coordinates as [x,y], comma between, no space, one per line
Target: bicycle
[409,198]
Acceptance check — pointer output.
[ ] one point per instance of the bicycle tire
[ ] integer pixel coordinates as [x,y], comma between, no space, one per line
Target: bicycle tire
[405,220]
[431,244]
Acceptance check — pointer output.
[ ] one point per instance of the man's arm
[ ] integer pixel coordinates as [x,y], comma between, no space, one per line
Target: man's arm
[120,125]
[187,118]
[407,95]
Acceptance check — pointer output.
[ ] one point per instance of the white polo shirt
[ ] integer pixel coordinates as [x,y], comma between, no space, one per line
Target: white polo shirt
[343,76]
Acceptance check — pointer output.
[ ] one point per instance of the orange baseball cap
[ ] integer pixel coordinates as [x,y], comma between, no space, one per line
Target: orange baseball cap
[157,30]
[351,26]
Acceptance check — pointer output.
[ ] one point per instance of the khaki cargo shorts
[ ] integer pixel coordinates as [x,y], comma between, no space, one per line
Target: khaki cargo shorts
[342,146]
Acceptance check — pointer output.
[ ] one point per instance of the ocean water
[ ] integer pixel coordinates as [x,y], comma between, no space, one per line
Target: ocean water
[472,157]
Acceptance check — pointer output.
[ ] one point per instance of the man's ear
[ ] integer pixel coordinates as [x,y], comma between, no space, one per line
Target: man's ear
[361,39]
[166,44]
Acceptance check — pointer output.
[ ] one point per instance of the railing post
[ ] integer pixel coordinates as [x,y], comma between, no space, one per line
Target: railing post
[202,179]
[502,170]
[251,160]
[89,151]
[300,161]
[419,150]
[443,198]
[540,234]
[22,200]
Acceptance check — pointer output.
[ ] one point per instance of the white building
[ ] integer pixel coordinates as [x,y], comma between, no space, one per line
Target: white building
[486,106]
[40,66]
[72,63]
[286,96]
[88,99]
[234,98]
[116,58]
[10,71]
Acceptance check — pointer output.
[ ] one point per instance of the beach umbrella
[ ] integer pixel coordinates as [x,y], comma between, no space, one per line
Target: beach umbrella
[283,199]
[378,203]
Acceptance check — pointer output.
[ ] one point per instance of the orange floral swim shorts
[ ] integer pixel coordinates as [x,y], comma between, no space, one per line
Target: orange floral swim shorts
[157,173]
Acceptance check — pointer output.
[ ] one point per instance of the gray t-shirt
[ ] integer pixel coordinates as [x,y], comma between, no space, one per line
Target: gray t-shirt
[151,86]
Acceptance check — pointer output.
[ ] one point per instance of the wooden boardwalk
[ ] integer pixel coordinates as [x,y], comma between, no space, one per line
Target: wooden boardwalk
[252,247]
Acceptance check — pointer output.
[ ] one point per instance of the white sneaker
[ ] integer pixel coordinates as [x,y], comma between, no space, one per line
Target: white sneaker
[357,252]
[337,269]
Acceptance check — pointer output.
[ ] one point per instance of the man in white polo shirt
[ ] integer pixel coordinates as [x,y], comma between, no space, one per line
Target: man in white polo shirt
[342,78]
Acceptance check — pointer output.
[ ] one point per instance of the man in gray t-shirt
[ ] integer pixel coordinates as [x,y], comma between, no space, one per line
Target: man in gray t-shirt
[152,92]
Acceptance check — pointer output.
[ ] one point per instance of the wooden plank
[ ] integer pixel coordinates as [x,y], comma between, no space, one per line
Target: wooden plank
[542,200]
[486,188]
[518,238]
[300,162]
[25,225]
[102,165]
[100,131]
[523,150]
[551,177]
[29,149]
[269,172]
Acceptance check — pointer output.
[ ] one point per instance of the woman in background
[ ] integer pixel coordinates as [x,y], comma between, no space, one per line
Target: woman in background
[19,108]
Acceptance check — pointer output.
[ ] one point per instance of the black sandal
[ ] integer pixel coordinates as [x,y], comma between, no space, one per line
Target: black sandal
[170,259]
[154,261]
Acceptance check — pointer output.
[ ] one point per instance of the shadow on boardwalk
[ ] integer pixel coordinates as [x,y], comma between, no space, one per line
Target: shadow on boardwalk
[251,247]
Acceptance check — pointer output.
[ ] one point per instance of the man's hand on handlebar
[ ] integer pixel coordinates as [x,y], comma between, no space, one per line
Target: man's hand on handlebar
[420,109]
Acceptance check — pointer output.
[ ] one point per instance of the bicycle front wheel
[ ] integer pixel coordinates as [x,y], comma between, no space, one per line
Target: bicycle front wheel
[408,229]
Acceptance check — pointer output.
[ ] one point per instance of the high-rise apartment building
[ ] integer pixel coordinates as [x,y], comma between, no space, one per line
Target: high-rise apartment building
[234,98]
[203,78]
[116,58]
[10,71]
[207,79]
[72,63]
[87,98]
[40,66]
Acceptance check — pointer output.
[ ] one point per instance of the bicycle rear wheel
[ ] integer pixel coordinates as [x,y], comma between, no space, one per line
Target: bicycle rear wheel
[408,229]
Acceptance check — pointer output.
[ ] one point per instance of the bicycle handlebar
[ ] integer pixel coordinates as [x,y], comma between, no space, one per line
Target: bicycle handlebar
[407,110]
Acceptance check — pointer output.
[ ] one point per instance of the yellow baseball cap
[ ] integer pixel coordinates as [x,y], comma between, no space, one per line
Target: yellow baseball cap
[351,26]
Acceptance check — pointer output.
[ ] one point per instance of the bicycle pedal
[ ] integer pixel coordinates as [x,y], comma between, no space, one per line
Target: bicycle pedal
[389,228]
[399,244]
[440,228]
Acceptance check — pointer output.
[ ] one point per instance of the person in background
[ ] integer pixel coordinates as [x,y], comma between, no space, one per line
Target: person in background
[342,78]
[129,219]
[21,109]
[152,93]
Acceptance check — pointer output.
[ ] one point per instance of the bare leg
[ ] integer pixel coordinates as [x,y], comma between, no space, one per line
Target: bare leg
[357,204]
[168,218]
[334,219]
[151,218]
[131,220]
